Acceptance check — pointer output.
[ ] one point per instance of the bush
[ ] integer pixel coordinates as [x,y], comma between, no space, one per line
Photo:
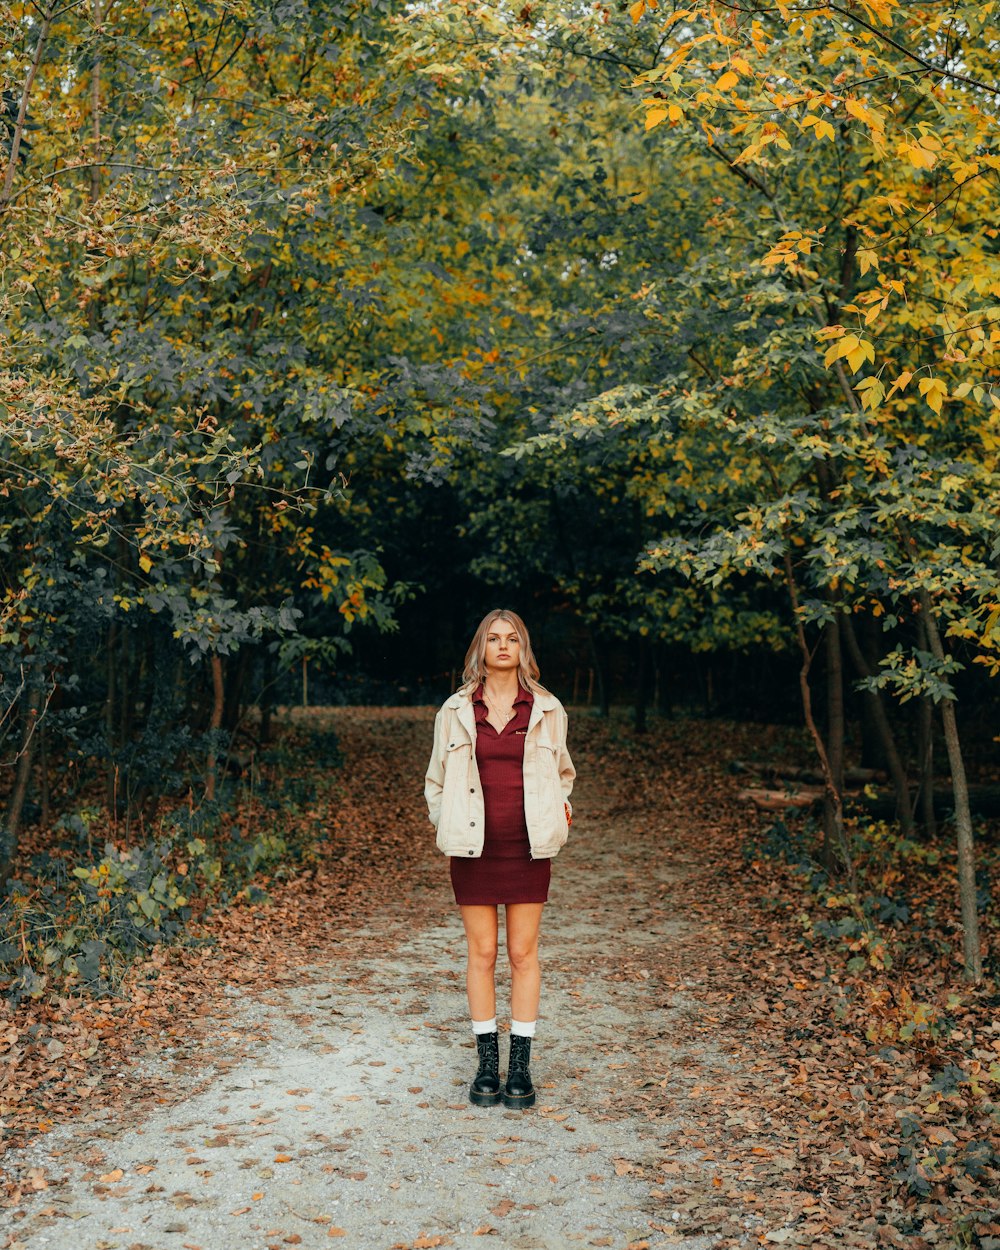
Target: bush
[77,926]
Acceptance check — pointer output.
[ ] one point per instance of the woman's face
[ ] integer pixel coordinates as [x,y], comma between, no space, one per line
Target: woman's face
[503,651]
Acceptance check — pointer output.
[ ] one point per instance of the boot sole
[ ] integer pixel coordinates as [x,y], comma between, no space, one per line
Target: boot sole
[484,1100]
[519,1102]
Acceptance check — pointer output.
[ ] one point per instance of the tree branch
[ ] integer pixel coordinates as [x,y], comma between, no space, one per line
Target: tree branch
[22,112]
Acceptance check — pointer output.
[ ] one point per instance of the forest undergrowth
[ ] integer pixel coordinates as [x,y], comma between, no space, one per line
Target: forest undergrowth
[880,1064]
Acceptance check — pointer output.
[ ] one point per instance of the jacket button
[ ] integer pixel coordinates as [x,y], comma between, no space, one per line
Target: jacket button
[472,791]
[472,824]
[472,852]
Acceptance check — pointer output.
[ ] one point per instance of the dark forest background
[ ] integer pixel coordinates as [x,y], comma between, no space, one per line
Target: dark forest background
[330,327]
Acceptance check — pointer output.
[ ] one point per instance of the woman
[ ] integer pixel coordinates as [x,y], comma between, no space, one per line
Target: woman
[497,791]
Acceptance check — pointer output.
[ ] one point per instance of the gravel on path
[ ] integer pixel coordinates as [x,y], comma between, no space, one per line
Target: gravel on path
[344,1118]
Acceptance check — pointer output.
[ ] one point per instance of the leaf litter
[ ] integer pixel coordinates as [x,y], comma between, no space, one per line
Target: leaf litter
[770,1111]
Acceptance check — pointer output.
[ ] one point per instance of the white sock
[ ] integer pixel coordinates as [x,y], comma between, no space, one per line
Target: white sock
[484,1026]
[523,1028]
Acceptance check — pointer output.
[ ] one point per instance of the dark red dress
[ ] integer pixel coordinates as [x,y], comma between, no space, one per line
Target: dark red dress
[505,873]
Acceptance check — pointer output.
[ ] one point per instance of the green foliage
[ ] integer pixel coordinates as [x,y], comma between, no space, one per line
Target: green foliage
[79,926]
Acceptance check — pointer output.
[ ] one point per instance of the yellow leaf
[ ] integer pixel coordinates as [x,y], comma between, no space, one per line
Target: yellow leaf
[934,391]
[675,113]
[727,81]
[867,259]
[859,354]
[919,156]
[145,563]
[655,116]
[636,11]
[902,382]
[461,247]
[872,392]
[864,114]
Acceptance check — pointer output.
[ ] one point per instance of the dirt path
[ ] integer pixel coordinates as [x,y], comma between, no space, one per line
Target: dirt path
[333,1105]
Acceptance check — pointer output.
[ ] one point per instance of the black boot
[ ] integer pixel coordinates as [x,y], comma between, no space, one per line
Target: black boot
[485,1089]
[519,1092]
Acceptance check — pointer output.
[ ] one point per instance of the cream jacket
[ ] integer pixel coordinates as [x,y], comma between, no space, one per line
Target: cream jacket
[455,796]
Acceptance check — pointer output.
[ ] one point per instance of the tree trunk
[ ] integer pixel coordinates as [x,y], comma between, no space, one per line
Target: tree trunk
[971,956]
[46,793]
[925,749]
[125,695]
[236,681]
[20,121]
[603,673]
[880,722]
[832,835]
[22,779]
[833,792]
[95,110]
[663,692]
[642,685]
[215,724]
[110,703]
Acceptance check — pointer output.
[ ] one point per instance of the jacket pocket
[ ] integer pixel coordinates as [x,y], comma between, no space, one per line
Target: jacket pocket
[452,825]
[551,829]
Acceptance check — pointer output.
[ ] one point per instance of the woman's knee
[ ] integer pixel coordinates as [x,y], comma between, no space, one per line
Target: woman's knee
[523,956]
[483,954]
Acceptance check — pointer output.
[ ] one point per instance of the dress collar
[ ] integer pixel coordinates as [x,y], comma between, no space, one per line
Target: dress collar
[523,696]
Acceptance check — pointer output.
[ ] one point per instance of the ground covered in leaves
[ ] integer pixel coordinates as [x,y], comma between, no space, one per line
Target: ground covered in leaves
[731,1052]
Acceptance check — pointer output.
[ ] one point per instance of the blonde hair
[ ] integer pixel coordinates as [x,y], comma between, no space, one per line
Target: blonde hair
[475,658]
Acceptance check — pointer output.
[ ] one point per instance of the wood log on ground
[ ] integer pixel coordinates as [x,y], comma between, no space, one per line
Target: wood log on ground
[782,800]
[788,772]
[984,800]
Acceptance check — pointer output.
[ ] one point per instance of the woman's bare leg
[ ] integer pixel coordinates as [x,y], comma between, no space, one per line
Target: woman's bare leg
[481,936]
[524,922]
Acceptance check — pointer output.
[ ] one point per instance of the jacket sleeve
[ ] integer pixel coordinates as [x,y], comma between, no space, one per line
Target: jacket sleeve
[434,779]
[567,773]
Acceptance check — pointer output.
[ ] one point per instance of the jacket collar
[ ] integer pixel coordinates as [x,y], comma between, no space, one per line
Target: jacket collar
[462,704]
